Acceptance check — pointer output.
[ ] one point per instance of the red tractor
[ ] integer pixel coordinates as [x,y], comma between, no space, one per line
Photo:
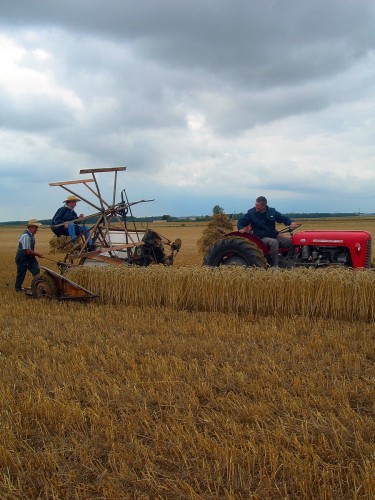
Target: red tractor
[310,249]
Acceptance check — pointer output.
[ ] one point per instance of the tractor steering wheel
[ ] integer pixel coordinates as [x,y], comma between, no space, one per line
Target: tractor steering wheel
[289,229]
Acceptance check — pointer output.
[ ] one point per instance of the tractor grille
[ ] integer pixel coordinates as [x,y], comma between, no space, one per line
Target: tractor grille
[368,253]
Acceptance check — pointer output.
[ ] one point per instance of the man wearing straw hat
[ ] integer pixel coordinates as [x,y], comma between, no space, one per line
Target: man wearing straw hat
[25,256]
[63,222]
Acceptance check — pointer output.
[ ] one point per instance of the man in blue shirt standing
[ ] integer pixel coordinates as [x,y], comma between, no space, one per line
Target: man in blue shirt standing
[25,256]
[262,220]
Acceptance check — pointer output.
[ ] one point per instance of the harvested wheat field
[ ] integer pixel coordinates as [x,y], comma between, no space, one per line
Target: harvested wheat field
[172,386]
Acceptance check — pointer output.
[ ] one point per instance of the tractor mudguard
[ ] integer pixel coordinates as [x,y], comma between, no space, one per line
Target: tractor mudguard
[251,237]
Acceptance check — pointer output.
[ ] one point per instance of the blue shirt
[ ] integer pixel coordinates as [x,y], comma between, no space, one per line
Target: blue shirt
[64,214]
[26,242]
[263,224]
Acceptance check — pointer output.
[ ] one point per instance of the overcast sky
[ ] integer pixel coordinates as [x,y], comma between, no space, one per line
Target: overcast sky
[204,101]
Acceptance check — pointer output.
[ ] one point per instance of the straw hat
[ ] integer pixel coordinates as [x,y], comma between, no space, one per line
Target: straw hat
[71,198]
[33,222]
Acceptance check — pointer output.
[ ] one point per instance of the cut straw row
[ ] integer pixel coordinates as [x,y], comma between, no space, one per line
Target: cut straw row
[335,293]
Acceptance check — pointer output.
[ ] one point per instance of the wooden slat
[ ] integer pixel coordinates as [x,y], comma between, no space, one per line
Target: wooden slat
[95,170]
[110,260]
[115,248]
[70,182]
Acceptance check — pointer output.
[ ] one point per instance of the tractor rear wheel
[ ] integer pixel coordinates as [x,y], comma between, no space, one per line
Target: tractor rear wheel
[234,252]
[44,287]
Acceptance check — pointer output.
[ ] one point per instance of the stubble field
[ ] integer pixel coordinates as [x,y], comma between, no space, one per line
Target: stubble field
[132,398]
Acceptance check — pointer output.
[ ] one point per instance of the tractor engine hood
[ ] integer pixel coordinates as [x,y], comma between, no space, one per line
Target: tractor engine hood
[357,242]
[331,238]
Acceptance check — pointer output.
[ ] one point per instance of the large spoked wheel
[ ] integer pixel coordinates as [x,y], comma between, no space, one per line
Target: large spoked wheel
[234,252]
[44,287]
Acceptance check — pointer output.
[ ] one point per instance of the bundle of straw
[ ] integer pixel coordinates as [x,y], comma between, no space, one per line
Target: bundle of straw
[219,225]
[60,244]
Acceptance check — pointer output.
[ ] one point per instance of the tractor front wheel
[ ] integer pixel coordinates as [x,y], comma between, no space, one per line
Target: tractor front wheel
[44,287]
[234,252]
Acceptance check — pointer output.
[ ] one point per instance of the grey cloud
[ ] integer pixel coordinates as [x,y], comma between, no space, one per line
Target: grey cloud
[262,59]
[138,70]
[245,42]
[42,113]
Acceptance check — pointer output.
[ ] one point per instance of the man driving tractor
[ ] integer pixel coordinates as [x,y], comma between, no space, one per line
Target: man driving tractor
[262,220]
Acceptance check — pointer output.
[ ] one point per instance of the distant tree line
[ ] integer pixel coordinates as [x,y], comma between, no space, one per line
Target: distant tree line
[322,215]
[202,218]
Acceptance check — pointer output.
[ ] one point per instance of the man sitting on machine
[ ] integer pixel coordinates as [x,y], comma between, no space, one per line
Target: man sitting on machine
[63,222]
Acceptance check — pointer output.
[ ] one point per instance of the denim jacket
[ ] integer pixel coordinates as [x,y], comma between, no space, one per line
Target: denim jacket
[263,224]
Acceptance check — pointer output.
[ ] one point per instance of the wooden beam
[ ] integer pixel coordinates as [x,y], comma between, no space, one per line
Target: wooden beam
[114,261]
[70,182]
[95,170]
[115,248]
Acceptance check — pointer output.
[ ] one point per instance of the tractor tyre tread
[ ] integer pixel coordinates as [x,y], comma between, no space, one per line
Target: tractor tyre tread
[246,250]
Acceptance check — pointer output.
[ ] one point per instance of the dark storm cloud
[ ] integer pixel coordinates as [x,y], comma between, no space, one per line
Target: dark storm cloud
[159,53]
[192,95]
[252,40]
